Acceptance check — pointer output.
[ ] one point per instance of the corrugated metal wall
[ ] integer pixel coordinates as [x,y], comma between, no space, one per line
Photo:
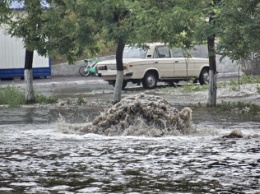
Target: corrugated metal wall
[12,53]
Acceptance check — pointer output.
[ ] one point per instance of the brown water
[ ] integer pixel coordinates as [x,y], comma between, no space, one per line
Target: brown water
[37,157]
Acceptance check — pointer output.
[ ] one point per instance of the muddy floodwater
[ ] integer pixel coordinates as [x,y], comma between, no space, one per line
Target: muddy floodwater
[37,156]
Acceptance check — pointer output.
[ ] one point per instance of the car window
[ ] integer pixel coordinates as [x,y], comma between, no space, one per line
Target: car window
[134,52]
[162,52]
[197,51]
[177,52]
[200,51]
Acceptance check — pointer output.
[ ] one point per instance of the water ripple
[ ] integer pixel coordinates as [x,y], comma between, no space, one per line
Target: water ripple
[41,159]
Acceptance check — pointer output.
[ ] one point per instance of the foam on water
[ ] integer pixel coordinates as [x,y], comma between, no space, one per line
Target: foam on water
[140,115]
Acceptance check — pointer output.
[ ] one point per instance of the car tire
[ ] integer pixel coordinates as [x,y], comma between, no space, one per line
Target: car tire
[150,80]
[204,76]
[123,86]
[172,83]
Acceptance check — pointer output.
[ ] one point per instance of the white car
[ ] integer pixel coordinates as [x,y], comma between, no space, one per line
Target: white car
[155,62]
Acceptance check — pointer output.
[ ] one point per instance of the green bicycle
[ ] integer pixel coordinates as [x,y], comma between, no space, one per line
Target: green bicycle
[90,68]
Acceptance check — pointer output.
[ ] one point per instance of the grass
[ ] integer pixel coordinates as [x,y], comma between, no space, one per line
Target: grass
[13,97]
[41,99]
[235,108]
[194,88]
[241,107]
[80,101]
[233,84]
[247,79]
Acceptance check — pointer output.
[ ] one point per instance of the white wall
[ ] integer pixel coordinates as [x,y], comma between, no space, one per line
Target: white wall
[12,53]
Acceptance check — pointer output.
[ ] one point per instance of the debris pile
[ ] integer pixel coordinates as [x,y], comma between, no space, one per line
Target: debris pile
[142,115]
[234,134]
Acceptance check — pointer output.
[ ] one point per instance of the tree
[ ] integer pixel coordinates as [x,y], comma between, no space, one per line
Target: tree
[28,77]
[36,27]
[70,27]
[113,18]
[89,22]
[183,24]
[25,26]
[239,35]
[4,11]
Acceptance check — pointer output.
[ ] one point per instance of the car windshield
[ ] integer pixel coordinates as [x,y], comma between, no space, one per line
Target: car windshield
[134,52]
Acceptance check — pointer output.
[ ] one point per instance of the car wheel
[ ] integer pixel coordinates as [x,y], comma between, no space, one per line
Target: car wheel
[204,77]
[150,80]
[172,83]
[123,86]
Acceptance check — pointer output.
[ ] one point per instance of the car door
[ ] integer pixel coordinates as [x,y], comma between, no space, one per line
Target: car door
[163,61]
[181,63]
[199,58]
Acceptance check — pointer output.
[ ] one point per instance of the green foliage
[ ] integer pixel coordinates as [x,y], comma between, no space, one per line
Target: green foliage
[11,96]
[45,99]
[4,11]
[239,32]
[70,28]
[166,21]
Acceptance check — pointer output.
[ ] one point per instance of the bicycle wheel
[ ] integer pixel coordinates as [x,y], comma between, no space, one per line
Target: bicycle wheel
[83,72]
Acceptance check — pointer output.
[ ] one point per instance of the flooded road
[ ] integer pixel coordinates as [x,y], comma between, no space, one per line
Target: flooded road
[40,152]
[36,156]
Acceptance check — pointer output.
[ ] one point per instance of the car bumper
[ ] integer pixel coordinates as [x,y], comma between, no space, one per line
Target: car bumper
[112,76]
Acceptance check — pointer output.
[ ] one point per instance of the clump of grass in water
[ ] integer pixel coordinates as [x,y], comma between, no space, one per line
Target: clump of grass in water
[249,79]
[80,101]
[194,88]
[241,107]
[11,96]
[46,99]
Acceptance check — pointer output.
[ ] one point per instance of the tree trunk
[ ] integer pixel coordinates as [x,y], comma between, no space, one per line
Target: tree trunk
[28,77]
[120,73]
[212,95]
